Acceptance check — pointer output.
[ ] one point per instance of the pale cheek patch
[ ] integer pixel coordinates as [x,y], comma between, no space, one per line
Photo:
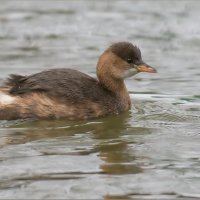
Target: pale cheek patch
[130,72]
[6,99]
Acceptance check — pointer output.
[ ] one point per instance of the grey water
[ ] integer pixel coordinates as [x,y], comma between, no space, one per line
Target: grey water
[150,152]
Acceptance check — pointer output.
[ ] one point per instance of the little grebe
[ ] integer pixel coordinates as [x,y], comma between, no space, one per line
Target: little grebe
[68,93]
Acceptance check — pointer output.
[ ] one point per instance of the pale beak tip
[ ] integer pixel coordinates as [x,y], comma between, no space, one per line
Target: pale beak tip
[146,68]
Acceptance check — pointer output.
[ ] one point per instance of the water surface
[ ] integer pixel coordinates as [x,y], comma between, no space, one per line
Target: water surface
[153,150]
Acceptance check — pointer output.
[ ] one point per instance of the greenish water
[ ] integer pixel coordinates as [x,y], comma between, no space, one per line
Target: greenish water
[150,152]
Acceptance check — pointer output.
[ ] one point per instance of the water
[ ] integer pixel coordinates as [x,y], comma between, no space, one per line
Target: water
[153,150]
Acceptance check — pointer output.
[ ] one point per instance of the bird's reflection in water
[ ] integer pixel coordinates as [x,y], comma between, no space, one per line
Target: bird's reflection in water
[113,149]
[117,197]
[103,128]
[106,132]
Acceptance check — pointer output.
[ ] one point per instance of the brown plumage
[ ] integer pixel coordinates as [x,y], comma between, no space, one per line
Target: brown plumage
[59,93]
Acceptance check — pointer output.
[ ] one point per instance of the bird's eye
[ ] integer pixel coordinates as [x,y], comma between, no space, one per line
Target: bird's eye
[130,60]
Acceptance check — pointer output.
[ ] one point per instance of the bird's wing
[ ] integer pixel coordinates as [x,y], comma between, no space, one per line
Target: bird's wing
[68,84]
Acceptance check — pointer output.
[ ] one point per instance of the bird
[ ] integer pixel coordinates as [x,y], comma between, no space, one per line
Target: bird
[71,94]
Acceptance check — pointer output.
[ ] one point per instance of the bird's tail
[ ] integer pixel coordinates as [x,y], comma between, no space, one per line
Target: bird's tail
[7,108]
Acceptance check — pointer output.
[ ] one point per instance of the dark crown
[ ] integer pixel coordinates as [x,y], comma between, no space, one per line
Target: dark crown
[126,50]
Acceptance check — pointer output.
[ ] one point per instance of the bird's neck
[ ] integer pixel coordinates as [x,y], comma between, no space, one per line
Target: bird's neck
[118,88]
[115,86]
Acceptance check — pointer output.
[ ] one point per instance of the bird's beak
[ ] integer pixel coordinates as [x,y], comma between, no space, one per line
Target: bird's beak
[143,67]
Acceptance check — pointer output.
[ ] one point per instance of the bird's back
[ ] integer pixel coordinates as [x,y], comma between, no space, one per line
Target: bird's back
[66,84]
